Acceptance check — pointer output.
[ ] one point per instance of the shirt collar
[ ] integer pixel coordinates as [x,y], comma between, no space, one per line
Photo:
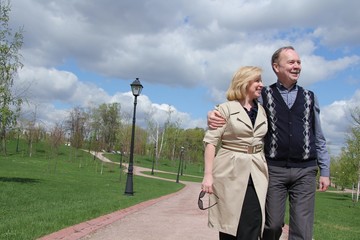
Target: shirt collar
[281,87]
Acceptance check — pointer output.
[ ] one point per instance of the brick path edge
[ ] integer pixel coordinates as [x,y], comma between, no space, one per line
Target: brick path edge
[82,229]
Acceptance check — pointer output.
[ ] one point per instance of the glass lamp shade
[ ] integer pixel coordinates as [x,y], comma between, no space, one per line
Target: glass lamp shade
[136,87]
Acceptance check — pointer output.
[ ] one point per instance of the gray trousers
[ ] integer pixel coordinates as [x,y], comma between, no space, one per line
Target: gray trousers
[299,184]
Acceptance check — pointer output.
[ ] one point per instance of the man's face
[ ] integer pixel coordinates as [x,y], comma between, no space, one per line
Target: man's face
[288,67]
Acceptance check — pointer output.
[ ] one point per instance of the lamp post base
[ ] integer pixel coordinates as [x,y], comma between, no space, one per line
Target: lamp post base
[129,185]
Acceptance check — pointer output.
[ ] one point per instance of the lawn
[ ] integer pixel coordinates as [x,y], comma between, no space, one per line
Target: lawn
[336,217]
[188,168]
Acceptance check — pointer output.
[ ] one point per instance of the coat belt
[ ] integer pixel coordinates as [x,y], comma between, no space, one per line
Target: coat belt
[244,148]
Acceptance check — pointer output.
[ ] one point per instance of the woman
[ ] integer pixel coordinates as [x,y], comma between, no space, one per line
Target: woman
[238,174]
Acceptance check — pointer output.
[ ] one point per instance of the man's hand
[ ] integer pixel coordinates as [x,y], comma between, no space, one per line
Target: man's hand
[215,120]
[324,183]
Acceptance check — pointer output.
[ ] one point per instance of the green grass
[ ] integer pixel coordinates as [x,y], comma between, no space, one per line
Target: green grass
[162,165]
[336,217]
[40,195]
[192,172]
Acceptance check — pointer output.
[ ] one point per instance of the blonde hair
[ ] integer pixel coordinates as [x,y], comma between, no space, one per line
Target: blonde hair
[240,81]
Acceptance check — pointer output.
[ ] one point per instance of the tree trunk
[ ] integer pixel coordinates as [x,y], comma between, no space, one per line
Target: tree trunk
[3,141]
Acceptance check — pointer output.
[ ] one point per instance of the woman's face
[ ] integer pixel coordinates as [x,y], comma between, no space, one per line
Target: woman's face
[254,88]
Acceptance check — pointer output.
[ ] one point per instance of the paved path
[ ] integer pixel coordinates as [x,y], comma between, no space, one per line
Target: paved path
[175,216]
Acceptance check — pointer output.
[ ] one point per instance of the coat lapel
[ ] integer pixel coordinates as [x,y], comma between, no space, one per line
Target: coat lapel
[236,108]
[261,117]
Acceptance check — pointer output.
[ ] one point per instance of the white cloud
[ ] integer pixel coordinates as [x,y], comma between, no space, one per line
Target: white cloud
[47,85]
[316,68]
[336,121]
[180,45]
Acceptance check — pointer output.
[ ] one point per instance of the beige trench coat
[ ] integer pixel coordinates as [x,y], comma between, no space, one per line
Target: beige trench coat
[231,169]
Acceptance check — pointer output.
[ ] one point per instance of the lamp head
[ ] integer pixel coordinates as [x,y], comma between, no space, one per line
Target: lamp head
[136,87]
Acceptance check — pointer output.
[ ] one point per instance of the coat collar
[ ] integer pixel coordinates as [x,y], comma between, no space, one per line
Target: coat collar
[237,108]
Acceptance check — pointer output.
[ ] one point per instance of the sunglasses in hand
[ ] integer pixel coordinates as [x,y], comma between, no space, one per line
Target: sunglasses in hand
[200,202]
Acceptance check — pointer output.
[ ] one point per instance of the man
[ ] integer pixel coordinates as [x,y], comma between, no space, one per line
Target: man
[295,148]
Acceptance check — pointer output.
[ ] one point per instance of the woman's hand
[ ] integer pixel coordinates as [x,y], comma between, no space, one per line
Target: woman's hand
[207,183]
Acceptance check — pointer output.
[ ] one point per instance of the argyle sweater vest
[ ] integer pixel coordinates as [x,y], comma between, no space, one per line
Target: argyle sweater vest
[290,140]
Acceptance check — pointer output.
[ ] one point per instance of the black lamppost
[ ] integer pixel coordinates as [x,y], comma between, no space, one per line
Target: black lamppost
[182,166]
[136,88]
[153,163]
[180,163]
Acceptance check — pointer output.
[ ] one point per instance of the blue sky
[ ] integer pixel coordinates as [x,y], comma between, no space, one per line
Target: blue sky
[87,52]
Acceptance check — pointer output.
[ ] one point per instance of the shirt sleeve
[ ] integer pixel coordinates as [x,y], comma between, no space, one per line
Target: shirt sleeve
[323,158]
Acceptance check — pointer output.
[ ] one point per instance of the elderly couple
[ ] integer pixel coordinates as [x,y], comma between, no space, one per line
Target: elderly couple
[262,145]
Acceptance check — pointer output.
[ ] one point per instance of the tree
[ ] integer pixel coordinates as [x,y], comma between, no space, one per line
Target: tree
[110,123]
[158,135]
[56,138]
[10,45]
[349,163]
[76,126]
[32,132]
[153,129]
[124,133]
[172,137]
